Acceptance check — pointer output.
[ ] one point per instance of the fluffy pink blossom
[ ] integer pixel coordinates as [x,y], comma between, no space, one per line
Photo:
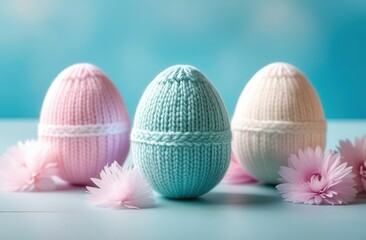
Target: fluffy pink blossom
[313,177]
[120,188]
[28,166]
[355,155]
[236,174]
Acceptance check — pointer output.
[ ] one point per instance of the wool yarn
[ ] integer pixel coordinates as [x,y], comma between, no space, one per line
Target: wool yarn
[85,120]
[277,113]
[181,139]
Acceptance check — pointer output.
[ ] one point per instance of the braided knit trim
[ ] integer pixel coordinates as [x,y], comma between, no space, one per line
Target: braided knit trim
[82,130]
[181,138]
[280,126]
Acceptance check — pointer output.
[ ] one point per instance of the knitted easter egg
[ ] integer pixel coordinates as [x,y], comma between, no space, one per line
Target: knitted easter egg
[181,135]
[85,120]
[277,113]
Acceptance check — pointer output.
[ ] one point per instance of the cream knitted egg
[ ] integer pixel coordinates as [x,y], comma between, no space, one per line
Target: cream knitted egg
[277,113]
[85,120]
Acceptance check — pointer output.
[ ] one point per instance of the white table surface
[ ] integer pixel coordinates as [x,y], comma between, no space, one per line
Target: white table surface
[228,212]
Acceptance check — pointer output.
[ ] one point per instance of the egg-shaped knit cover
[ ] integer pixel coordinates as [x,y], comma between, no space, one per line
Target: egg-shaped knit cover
[277,113]
[85,120]
[181,135]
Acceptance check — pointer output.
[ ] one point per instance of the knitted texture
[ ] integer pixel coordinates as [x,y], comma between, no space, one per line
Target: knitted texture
[277,113]
[181,137]
[85,119]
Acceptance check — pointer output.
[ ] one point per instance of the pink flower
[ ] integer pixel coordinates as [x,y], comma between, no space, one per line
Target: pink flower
[355,155]
[236,174]
[28,166]
[313,177]
[120,188]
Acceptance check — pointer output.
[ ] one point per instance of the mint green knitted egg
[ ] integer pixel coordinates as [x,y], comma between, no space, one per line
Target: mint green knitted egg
[181,137]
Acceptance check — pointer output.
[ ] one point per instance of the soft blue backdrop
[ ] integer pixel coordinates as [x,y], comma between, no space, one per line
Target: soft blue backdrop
[229,40]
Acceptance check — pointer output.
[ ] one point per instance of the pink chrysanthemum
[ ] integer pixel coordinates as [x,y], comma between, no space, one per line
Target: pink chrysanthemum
[28,166]
[120,188]
[313,177]
[236,174]
[355,155]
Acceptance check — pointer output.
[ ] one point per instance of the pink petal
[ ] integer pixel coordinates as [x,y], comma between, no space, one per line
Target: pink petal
[28,166]
[120,188]
[313,177]
[236,174]
[354,155]
[45,184]
[289,175]
[318,199]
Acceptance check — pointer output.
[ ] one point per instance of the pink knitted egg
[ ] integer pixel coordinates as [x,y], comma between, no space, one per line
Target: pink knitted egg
[85,120]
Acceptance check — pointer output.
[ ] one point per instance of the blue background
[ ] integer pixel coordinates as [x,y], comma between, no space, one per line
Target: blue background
[229,40]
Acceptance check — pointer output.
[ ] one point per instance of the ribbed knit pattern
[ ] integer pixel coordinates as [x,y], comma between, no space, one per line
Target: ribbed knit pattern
[181,135]
[277,113]
[85,119]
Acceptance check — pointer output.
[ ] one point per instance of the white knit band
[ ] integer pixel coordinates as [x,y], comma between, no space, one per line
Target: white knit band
[279,126]
[82,130]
